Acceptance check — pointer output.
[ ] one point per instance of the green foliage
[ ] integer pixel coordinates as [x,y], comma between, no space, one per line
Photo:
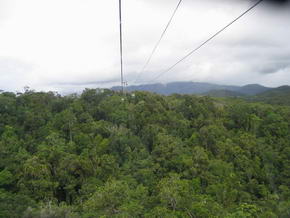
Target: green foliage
[102,154]
[116,199]
[50,211]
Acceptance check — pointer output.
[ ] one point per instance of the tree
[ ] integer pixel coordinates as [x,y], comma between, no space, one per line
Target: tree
[116,199]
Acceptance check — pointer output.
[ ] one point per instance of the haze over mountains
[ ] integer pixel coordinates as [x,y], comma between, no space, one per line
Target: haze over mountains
[199,88]
[251,92]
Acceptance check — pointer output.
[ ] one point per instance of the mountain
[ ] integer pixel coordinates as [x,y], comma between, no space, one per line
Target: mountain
[194,88]
[224,93]
[280,96]
[253,89]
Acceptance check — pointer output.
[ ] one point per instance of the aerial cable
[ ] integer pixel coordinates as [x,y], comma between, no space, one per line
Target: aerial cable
[121,45]
[158,42]
[208,40]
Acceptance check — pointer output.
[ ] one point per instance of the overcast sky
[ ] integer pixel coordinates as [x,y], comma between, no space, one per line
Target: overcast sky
[67,45]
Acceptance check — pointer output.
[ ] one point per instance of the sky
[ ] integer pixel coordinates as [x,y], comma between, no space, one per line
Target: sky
[69,45]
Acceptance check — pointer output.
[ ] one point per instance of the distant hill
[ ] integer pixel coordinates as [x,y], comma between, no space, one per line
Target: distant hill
[223,93]
[253,89]
[195,88]
[280,96]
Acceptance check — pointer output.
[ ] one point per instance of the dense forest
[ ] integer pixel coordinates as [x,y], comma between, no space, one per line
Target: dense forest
[102,154]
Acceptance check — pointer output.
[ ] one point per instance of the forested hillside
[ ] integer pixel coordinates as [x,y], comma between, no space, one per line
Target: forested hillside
[223,94]
[278,96]
[101,154]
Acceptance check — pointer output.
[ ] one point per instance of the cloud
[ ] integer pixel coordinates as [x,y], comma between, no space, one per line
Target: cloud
[72,44]
[14,73]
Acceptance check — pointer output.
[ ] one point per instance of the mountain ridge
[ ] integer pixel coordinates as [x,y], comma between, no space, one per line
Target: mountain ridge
[200,88]
[279,96]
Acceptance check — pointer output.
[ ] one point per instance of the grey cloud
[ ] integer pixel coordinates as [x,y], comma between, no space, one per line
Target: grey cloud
[84,83]
[13,66]
[13,73]
[274,67]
